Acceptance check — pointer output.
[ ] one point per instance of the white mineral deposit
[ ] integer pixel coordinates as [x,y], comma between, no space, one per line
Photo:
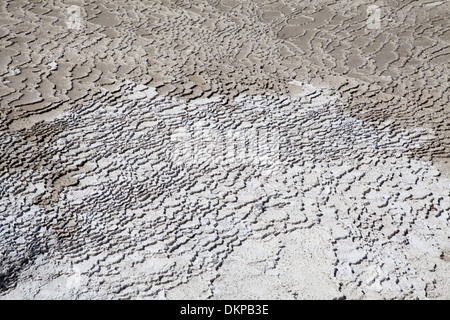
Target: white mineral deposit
[224,149]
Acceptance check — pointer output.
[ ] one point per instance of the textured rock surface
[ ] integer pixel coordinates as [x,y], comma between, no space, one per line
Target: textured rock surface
[228,149]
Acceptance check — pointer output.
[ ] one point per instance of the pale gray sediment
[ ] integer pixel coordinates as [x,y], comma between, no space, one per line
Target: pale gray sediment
[234,149]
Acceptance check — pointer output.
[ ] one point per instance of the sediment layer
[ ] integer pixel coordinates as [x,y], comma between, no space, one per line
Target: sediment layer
[228,149]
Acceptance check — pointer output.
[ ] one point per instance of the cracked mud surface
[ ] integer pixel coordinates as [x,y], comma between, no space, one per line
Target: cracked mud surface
[224,149]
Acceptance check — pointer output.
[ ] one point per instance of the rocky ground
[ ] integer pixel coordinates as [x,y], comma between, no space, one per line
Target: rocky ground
[224,149]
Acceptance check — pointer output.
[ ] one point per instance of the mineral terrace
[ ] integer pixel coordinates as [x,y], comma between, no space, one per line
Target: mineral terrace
[224,149]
